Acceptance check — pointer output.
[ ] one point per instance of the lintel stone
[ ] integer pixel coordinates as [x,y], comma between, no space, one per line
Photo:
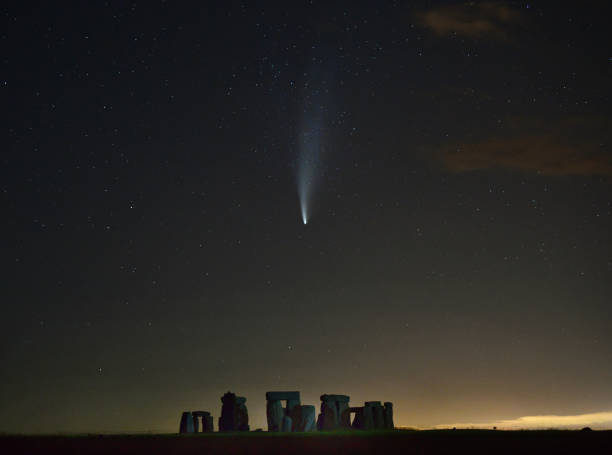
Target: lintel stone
[331,397]
[275,396]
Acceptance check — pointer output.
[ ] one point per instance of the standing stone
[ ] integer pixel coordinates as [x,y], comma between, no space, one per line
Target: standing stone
[368,419]
[234,414]
[389,415]
[291,404]
[358,421]
[333,415]
[296,417]
[378,414]
[242,414]
[344,416]
[229,410]
[186,425]
[206,421]
[307,421]
[196,423]
[287,424]
[275,411]
[275,414]
[207,424]
[328,419]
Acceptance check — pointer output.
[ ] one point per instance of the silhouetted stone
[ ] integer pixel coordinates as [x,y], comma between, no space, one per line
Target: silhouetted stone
[330,397]
[334,412]
[296,416]
[358,420]
[207,424]
[328,419]
[368,418]
[206,421]
[291,404]
[275,411]
[186,425]
[307,418]
[243,415]
[234,414]
[277,396]
[344,416]
[389,415]
[275,414]
[364,416]
[287,424]
[378,414]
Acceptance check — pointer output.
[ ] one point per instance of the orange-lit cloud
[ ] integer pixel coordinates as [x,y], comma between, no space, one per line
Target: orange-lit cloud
[472,19]
[596,420]
[544,154]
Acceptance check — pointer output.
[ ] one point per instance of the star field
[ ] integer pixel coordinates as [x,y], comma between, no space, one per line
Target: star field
[457,259]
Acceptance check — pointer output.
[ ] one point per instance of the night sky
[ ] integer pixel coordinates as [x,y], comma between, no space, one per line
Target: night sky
[453,160]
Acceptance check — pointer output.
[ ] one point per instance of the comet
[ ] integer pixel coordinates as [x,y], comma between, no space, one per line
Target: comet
[308,166]
[313,133]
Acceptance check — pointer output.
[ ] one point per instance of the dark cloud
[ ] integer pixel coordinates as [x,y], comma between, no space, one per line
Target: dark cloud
[565,147]
[472,19]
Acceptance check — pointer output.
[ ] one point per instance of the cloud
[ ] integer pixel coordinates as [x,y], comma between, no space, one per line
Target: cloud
[540,154]
[541,145]
[474,20]
[596,420]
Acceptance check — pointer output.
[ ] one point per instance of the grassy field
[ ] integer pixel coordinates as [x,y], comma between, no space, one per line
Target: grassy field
[355,442]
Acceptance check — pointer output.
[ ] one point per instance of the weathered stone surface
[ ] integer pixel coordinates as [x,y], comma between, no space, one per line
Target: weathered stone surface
[303,417]
[378,415]
[334,412]
[196,420]
[234,414]
[389,415]
[373,403]
[358,421]
[228,421]
[344,416]
[243,415]
[296,416]
[276,396]
[287,424]
[275,414]
[368,419]
[207,424]
[331,397]
[307,418]
[186,425]
[328,419]
[291,404]
[275,411]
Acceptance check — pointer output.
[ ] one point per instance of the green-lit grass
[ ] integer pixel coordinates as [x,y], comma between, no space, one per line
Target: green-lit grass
[319,443]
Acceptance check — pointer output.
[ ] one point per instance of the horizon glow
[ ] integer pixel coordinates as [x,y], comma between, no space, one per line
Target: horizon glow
[596,420]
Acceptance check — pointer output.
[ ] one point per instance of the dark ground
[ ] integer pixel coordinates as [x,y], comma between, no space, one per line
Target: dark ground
[400,441]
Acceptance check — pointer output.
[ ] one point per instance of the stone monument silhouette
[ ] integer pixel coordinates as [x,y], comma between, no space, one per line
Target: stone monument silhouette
[234,414]
[294,417]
